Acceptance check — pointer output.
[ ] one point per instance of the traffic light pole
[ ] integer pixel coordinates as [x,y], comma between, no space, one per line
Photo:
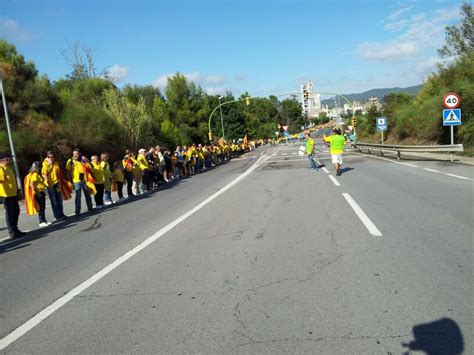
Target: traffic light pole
[9,131]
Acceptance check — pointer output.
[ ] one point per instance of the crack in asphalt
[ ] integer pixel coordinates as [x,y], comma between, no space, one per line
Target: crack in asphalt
[344,337]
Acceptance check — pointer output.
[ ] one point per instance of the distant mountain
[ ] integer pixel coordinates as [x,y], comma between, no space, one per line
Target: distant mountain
[379,93]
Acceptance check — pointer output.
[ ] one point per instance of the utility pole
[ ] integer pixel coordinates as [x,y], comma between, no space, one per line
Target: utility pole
[9,131]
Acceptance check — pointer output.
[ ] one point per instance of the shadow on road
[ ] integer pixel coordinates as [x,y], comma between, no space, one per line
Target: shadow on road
[16,244]
[442,336]
[346,170]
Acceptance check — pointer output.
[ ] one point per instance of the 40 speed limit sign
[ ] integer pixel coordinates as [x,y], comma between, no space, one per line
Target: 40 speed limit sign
[451,100]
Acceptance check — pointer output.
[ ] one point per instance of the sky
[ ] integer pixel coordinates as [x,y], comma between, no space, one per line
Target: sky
[262,47]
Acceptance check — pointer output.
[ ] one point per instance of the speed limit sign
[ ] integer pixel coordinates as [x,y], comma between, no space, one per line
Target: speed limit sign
[451,100]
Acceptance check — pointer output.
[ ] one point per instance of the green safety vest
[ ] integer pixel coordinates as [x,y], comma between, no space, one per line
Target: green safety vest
[309,146]
[337,144]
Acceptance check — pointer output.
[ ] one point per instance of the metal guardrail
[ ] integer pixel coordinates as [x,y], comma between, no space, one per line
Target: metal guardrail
[449,148]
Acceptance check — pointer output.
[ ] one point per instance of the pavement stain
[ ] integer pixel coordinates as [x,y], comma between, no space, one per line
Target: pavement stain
[95,225]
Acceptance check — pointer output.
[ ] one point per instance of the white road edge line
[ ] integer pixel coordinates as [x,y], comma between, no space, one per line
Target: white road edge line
[333,179]
[391,161]
[432,170]
[362,216]
[457,176]
[45,313]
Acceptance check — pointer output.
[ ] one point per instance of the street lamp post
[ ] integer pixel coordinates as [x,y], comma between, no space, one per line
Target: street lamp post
[12,147]
[222,121]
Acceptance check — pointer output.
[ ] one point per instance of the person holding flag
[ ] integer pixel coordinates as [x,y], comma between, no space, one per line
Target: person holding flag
[58,188]
[35,194]
[79,172]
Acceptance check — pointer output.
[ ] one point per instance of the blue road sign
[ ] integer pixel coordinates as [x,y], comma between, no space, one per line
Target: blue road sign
[452,117]
[381,123]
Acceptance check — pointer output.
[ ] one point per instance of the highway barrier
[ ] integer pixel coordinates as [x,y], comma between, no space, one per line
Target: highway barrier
[448,148]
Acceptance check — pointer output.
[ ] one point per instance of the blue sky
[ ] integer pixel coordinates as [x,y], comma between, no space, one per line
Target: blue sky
[263,47]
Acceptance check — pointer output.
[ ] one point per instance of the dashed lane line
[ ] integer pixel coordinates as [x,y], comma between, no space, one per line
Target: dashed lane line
[458,176]
[362,216]
[333,179]
[432,170]
[325,170]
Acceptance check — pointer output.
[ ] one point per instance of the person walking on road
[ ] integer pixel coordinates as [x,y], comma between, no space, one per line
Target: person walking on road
[35,194]
[9,196]
[57,186]
[310,150]
[337,144]
[78,169]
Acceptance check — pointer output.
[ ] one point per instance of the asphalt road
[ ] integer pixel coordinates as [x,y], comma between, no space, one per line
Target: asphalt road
[285,260]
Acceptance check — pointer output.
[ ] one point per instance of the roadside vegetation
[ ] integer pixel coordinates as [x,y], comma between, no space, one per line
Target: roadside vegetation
[418,120]
[90,111]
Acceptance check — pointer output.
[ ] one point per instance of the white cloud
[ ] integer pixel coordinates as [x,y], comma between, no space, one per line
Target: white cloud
[421,31]
[11,30]
[118,72]
[389,51]
[393,22]
[210,83]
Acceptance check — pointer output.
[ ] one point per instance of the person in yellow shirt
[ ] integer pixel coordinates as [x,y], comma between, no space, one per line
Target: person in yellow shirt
[99,176]
[104,163]
[118,178]
[35,194]
[137,173]
[9,196]
[337,143]
[127,165]
[52,175]
[145,170]
[77,167]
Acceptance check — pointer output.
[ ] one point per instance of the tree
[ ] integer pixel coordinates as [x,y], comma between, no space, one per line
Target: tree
[460,39]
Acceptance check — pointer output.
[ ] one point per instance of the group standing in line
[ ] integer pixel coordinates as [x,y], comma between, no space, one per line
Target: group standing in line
[97,178]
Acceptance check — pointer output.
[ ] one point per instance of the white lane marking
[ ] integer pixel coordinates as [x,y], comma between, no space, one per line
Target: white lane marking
[457,176]
[294,153]
[45,313]
[362,216]
[432,170]
[333,179]
[284,154]
[283,160]
[325,170]
[389,160]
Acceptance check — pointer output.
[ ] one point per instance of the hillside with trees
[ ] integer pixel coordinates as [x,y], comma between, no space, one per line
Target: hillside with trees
[89,111]
[418,120]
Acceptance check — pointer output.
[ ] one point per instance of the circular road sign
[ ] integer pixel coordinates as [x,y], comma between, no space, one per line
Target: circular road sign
[451,100]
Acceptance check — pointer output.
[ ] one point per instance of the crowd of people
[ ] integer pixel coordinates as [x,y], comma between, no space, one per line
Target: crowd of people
[96,178]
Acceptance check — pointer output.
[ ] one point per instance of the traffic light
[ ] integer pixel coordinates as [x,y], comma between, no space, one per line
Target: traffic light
[354,121]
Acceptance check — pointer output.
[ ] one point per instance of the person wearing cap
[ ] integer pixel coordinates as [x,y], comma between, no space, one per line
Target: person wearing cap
[337,143]
[35,194]
[9,196]
[56,185]
[145,170]
[78,170]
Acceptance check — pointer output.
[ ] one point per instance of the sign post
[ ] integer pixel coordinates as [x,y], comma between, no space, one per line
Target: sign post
[452,114]
[381,125]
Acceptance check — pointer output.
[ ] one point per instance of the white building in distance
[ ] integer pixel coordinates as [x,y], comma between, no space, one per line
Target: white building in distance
[311,102]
